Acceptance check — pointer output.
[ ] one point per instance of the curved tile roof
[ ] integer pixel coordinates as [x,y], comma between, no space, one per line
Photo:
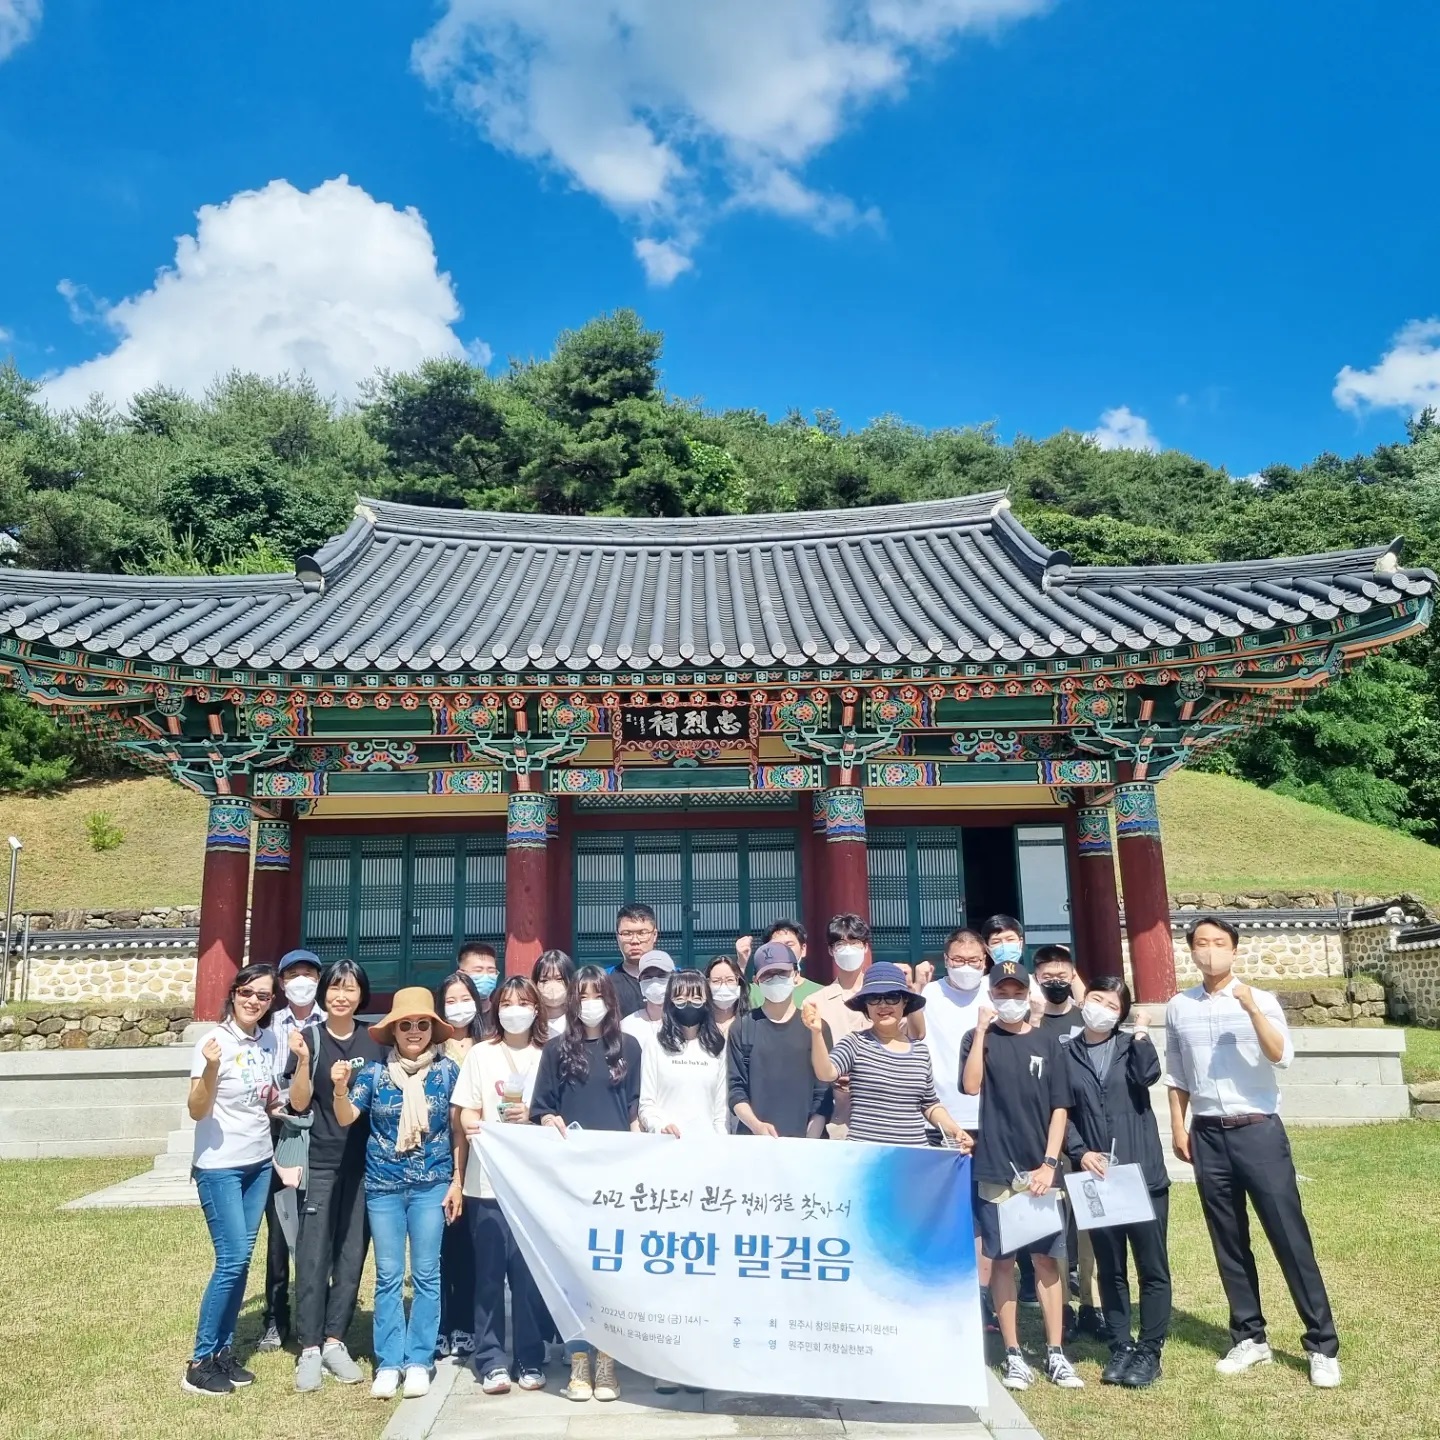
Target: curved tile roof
[421,589]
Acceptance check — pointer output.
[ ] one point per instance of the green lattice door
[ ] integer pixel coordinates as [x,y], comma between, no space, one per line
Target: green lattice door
[705,886]
[401,904]
[917,889]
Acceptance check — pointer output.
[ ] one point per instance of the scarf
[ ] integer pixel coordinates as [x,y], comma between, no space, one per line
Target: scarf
[409,1077]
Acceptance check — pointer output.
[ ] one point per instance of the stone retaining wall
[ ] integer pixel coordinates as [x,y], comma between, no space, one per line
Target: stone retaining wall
[155,974]
[1361,1005]
[1412,976]
[75,1027]
[156,917]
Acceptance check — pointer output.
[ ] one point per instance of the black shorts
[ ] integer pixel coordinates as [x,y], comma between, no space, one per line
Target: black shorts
[987,1226]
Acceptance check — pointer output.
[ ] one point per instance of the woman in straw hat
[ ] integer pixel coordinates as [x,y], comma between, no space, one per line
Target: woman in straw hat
[411,1189]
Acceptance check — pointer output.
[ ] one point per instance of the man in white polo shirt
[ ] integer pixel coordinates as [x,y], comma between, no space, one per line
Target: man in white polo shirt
[1225,1043]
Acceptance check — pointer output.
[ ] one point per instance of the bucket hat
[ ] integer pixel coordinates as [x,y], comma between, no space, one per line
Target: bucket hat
[413,1002]
[885,979]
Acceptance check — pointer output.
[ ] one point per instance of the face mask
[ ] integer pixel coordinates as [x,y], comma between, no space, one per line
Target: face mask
[777,988]
[515,1019]
[1098,1017]
[552,992]
[849,957]
[1003,950]
[592,1013]
[460,1014]
[965,977]
[1057,992]
[486,984]
[301,990]
[689,1014]
[1012,1012]
[653,991]
[726,997]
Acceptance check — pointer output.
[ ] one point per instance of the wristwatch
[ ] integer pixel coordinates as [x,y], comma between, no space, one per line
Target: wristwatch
[1052,1162]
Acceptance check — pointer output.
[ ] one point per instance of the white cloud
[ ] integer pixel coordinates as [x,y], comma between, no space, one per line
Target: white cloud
[1122,429]
[18,22]
[1407,376]
[329,282]
[673,112]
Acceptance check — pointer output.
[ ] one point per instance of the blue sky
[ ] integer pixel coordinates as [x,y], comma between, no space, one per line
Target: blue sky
[1033,213]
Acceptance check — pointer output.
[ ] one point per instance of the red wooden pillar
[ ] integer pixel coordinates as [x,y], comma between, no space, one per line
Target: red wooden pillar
[527,834]
[223,892]
[846,884]
[270,892]
[1147,896]
[1095,904]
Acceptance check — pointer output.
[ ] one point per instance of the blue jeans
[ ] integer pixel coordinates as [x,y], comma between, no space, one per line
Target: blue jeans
[418,1215]
[234,1203]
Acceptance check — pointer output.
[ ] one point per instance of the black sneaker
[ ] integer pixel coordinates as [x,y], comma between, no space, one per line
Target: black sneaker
[1067,1335]
[203,1377]
[1144,1369]
[232,1369]
[1120,1358]
[1092,1322]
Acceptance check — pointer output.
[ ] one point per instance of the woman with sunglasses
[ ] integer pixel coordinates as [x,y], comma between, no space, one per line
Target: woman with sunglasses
[232,1095]
[495,1087]
[412,1190]
[892,1087]
[683,1080]
[330,1248]
[590,1077]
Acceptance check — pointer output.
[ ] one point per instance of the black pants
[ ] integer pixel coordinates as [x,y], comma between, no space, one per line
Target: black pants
[277,1264]
[1253,1162]
[1152,1270]
[330,1254]
[457,1280]
[498,1259]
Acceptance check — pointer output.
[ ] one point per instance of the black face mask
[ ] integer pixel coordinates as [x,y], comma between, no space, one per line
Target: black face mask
[689,1014]
[1057,992]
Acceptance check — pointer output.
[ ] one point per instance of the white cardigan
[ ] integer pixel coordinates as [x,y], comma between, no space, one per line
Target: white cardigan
[688,1090]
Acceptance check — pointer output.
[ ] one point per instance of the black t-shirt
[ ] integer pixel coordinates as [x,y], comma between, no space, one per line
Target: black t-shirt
[1062,1025]
[1026,1078]
[627,991]
[332,1145]
[769,1065]
[592,1103]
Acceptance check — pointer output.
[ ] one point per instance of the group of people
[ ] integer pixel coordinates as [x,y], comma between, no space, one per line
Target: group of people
[346,1134]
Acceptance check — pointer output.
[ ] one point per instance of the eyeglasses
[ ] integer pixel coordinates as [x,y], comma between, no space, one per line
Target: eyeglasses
[408,1027]
[644,934]
[246,993]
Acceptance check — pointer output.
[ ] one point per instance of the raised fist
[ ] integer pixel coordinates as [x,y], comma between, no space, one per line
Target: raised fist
[340,1073]
[211,1051]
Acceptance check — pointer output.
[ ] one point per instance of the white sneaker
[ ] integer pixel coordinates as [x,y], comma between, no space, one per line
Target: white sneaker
[1015,1374]
[1243,1356]
[1324,1371]
[1059,1371]
[387,1382]
[417,1382]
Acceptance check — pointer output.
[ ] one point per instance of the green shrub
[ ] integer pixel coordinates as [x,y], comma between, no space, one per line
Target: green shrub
[103,832]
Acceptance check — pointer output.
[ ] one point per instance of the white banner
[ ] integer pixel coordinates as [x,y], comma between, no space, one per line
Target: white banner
[779,1267]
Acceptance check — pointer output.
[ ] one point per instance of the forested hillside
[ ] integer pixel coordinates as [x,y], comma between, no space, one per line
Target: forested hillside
[263,468]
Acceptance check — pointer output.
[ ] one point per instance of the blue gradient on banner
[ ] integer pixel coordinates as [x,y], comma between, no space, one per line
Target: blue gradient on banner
[915,1211]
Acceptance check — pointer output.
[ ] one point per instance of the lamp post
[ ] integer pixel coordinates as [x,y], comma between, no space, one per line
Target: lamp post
[15,848]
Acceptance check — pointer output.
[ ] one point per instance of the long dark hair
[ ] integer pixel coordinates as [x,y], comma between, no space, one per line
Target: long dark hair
[574,1062]
[672,1033]
[483,1025]
[742,1005]
[522,992]
[555,965]
[248,976]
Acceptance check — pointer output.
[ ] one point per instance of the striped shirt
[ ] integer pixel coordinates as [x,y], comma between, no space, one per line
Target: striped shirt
[890,1090]
[1213,1053]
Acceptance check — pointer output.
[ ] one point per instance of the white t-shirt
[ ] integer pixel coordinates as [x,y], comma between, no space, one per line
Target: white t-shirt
[688,1090]
[236,1132]
[481,1087]
[950,1015]
[641,1027]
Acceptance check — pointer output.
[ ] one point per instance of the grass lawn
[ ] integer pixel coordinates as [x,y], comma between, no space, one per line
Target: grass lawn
[1379,1249]
[1422,1055]
[113,1294]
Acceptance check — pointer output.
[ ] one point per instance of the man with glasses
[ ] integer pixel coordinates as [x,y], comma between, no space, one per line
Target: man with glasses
[636,933]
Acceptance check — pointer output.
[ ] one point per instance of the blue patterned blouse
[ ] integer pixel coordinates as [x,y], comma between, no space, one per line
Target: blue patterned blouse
[387,1172]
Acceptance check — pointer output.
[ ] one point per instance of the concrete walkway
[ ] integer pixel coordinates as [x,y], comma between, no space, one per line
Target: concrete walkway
[457,1409]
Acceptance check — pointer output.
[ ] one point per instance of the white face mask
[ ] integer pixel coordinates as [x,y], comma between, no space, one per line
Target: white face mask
[965,977]
[849,957]
[777,988]
[1012,1011]
[653,991]
[726,997]
[592,1013]
[301,990]
[515,1019]
[460,1013]
[1098,1017]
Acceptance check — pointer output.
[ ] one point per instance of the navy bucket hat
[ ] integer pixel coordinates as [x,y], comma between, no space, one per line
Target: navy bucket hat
[884,979]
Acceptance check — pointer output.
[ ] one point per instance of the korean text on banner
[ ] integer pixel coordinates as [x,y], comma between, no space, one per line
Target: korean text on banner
[780,1268]
[1119,1198]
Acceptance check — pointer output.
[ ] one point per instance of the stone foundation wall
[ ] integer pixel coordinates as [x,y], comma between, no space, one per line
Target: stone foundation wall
[1361,1005]
[73,1027]
[157,917]
[1412,977]
[158,975]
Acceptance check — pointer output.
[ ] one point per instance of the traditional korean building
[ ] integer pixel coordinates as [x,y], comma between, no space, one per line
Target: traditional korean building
[448,724]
